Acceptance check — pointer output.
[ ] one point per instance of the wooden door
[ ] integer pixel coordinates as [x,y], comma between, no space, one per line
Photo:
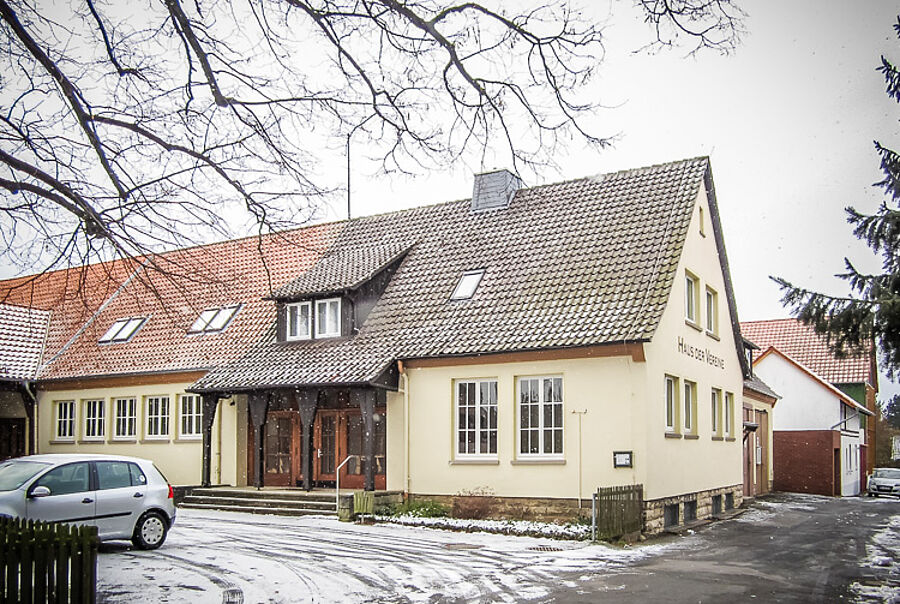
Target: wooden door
[339,434]
[762,446]
[281,449]
[326,440]
[748,456]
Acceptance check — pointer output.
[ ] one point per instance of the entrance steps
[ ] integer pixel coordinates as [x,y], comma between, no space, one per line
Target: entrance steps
[283,502]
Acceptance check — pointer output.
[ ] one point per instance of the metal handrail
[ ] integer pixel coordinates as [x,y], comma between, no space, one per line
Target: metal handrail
[337,482]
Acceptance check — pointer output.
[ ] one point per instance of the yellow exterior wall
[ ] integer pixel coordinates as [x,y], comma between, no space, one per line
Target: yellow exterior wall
[624,400]
[683,465]
[178,458]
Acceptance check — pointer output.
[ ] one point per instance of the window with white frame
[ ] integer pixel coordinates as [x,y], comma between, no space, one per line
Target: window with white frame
[125,418]
[190,416]
[65,420]
[467,284]
[729,415]
[691,297]
[712,311]
[328,318]
[214,320]
[476,418]
[157,416]
[690,407]
[94,419]
[715,400]
[122,330]
[671,404]
[299,321]
[541,416]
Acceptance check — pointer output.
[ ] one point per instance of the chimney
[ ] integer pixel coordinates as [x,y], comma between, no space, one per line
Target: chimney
[493,190]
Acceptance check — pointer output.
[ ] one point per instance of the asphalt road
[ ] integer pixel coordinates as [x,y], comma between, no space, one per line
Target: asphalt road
[786,548]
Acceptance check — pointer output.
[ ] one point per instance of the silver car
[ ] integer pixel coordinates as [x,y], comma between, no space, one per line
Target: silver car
[124,497]
[884,481]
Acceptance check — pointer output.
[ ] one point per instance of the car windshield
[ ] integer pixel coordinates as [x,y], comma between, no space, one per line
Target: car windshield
[887,473]
[14,473]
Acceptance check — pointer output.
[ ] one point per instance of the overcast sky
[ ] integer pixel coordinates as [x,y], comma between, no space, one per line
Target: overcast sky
[788,122]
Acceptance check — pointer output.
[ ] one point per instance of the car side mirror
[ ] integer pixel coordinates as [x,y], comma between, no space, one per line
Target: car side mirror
[40,491]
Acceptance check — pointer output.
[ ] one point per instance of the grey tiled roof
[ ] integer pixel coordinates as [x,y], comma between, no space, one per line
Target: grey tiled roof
[342,268]
[578,263]
[757,385]
[23,332]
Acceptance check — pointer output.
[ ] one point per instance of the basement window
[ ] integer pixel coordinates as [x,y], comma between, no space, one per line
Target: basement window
[213,320]
[467,285]
[122,330]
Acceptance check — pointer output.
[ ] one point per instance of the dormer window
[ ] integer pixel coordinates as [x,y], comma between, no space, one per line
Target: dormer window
[328,318]
[467,285]
[122,330]
[214,320]
[299,321]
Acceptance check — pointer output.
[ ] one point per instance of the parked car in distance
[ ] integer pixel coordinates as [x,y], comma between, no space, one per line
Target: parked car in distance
[884,481]
[124,497]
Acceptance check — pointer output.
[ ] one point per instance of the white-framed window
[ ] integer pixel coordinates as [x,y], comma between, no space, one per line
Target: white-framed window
[467,284]
[125,417]
[190,414]
[476,418]
[691,297]
[299,321]
[122,330]
[214,320]
[715,400]
[729,414]
[690,407]
[712,311]
[94,419]
[157,416]
[65,420]
[328,318]
[541,416]
[671,404]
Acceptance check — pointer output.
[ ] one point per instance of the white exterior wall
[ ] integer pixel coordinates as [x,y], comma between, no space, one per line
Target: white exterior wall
[179,458]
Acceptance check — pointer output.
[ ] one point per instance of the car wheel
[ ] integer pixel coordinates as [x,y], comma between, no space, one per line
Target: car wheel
[150,531]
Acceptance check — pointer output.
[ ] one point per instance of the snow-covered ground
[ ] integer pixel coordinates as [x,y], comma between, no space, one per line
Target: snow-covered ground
[883,564]
[234,557]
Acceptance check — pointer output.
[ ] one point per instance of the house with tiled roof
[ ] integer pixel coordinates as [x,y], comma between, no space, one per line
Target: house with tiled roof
[824,435]
[535,343]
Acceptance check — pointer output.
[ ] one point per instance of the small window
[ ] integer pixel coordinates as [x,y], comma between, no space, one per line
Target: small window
[299,321]
[671,404]
[691,297]
[125,418]
[476,413]
[715,411]
[690,407]
[467,285]
[65,420]
[712,311]
[157,416]
[214,320]
[541,416]
[702,222]
[94,419]
[122,330]
[190,416]
[328,318]
[729,414]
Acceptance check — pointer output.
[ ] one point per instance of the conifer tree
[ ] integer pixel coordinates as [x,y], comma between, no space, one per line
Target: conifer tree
[871,313]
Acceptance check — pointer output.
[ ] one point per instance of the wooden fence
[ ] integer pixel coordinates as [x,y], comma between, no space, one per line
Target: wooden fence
[44,562]
[617,511]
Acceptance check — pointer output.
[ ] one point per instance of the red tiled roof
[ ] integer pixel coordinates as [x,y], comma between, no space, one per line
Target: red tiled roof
[801,343]
[87,301]
[21,341]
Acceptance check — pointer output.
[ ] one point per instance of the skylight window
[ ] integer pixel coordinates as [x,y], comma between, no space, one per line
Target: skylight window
[467,285]
[122,330]
[213,320]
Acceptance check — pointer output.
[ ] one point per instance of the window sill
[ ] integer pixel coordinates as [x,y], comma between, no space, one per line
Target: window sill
[475,462]
[538,462]
[124,440]
[673,435]
[62,442]
[717,438]
[692,436]
[713,335]
[189,439]
[730,439]
[692,324]
[153,441]
[92,441]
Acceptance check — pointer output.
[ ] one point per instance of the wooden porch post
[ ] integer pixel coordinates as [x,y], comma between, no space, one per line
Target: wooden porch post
[208,415]
[258,405]
[307,400]
[365,399]
[31,430]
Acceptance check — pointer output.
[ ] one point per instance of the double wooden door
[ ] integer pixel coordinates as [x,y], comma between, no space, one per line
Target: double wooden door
[339,434]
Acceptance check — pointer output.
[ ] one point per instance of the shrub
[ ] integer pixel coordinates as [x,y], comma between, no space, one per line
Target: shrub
[425,508]
[474,504]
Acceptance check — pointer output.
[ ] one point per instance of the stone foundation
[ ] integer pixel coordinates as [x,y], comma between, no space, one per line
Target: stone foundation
[654,510]
[540,509]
